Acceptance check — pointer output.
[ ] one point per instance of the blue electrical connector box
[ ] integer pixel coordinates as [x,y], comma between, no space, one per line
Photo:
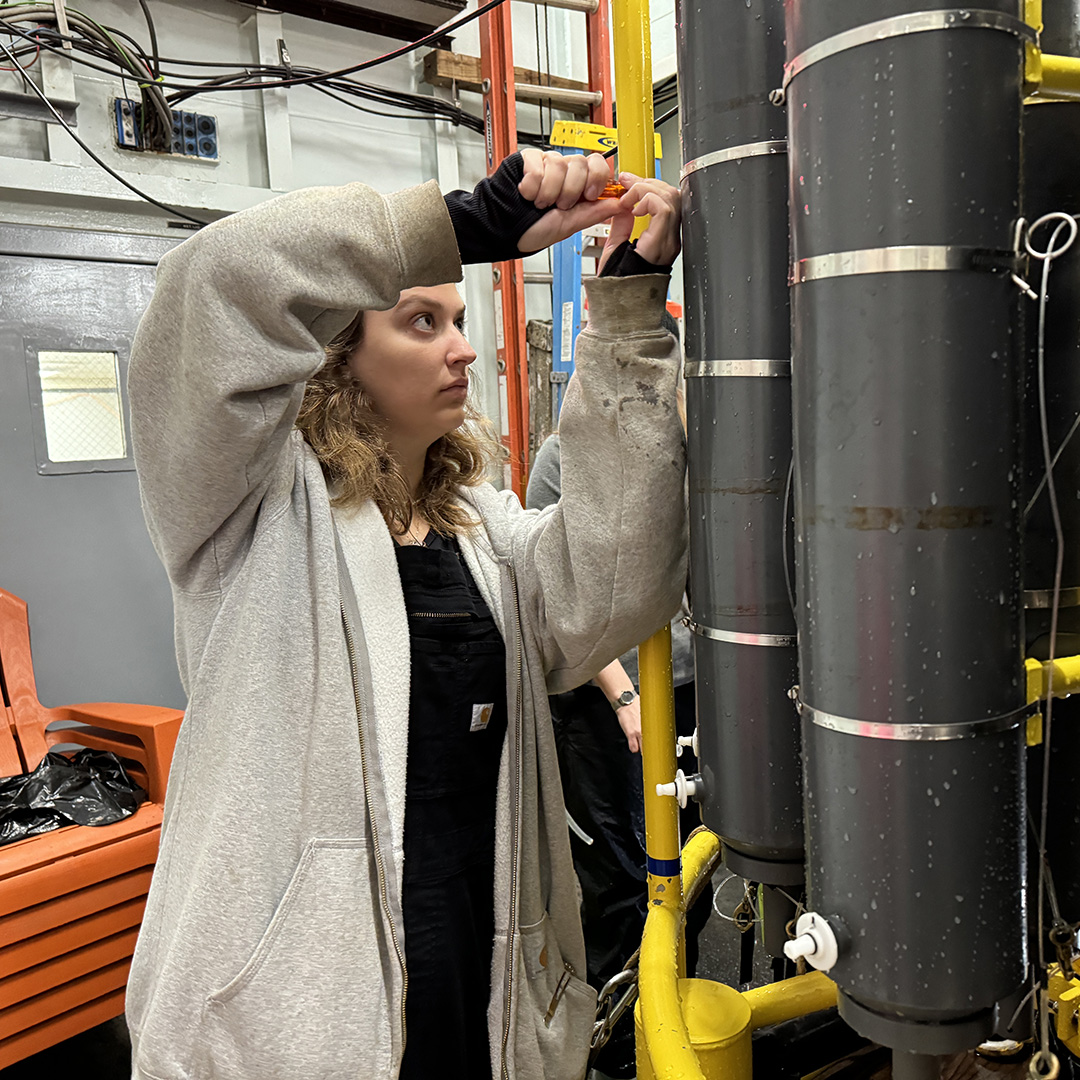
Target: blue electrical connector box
[193,134]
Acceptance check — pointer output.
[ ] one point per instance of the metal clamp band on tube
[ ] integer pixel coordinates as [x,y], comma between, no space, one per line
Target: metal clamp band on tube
[1044,598]
[899,259]
[734,153]
[915,22]
[869,729]
[704,369]
[775,641]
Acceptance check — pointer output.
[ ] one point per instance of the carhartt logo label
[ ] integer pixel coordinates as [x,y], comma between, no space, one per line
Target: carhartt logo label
[481,714]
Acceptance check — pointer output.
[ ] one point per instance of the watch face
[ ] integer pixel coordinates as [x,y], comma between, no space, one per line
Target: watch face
[626,697]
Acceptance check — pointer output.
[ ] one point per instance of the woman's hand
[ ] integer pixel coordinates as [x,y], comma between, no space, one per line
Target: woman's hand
[660,243]
[571,186]
[613,681]
[629,717]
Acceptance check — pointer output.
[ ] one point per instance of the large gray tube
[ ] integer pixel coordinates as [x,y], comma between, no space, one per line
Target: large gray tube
[904,152]
[738,395]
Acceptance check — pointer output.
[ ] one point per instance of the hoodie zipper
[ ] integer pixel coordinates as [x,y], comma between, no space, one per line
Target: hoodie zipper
[515,807]
[350,644]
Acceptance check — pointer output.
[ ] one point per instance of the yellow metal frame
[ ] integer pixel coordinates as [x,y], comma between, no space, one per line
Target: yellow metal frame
[694,1029]
[1048,77]
[1066,680]
[632,38]
[1064,991]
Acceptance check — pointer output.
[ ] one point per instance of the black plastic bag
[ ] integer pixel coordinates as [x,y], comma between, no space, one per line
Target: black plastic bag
[91,788]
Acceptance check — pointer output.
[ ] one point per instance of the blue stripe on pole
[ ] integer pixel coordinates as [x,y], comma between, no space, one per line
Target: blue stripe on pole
[663,867]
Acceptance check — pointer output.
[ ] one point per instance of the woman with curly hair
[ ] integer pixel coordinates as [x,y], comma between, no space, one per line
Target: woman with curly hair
[364,866]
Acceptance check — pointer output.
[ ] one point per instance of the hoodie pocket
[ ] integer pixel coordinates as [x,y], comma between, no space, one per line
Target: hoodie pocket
[313,998]
[563,1009]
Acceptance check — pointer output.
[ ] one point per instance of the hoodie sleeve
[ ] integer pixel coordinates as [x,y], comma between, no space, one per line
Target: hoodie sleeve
[605,567]
[238,321]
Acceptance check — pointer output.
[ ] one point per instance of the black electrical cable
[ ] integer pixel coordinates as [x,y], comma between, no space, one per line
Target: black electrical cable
[323,76]
[425,107]
[367,64]
[393,116]
[656,123]
[112,172]
[153,39]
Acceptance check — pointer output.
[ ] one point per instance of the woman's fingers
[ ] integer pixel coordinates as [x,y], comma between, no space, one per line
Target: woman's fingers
[552,184]
[533,161]
[574,181]
[599,175]
[660,242]
[552,179]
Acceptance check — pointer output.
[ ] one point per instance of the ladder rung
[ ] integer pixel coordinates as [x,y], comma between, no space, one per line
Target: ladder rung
[590,7]
[558,95]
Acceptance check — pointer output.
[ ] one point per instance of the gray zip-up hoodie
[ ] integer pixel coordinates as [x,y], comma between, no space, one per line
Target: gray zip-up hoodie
[272,945]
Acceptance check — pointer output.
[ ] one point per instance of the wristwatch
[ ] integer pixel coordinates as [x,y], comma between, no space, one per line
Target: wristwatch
[624,698]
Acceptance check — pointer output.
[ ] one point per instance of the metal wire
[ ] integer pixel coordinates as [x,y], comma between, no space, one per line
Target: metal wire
[1053,250]
[112,172]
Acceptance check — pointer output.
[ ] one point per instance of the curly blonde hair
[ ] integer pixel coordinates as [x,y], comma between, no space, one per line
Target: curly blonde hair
[339,422]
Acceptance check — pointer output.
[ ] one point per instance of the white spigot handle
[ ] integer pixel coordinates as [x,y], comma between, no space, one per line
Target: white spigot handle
[814,939]
[683,789]
[684,741]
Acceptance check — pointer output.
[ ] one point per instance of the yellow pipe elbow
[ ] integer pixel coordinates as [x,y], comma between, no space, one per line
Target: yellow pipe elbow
[1066,675]
[1059,77]
[700,855]
[777,1002]
[667,1053]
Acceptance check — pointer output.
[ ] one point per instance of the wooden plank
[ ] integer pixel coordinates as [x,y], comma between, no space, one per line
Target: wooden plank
[445,68]
[69,967]
[63,942]
[74,1022]
[73,906]
[62,999]
[65,875]
[72,842]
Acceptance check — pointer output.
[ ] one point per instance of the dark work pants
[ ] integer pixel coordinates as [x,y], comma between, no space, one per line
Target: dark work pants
[603,790]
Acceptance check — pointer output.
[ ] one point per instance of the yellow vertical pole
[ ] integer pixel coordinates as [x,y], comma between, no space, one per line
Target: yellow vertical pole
[634,114]
[1033,67]
[632,37]
[658,767]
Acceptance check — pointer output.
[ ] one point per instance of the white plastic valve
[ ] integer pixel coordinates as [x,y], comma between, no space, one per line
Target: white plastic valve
[814,939]
[683,789]
[686,740]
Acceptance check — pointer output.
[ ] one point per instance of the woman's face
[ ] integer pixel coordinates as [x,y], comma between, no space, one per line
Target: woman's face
[413,362]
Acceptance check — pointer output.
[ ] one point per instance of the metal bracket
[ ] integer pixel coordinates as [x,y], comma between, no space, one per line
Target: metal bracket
[902,258]
[558,376]
[24,107]
[915,22]
[713,369]
[776,641]
[1044,598]
[908,732]
[734,153]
